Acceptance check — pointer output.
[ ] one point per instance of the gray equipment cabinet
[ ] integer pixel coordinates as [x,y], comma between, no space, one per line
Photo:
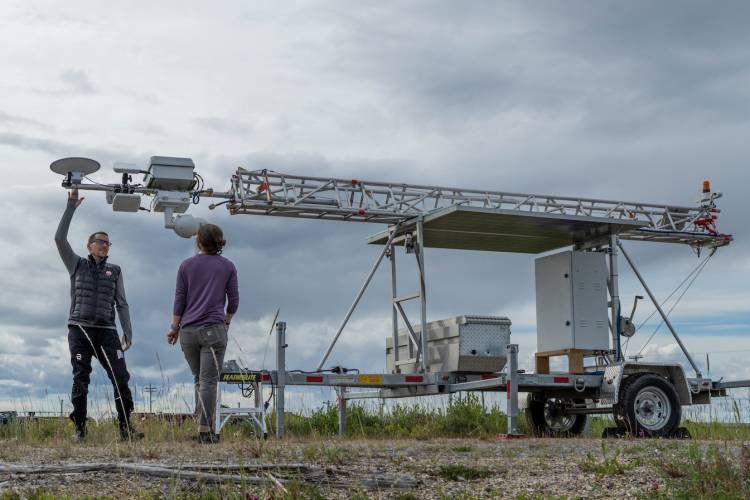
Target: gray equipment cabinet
[571,301]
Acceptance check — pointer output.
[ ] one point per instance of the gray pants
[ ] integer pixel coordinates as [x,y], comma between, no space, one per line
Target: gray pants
[204,347]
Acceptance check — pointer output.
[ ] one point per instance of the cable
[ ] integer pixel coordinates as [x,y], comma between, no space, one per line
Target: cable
[200,185]
[270,396]
[677,301]
[697,268]
[214,205]
[268,338]
[335,369]
[97,183]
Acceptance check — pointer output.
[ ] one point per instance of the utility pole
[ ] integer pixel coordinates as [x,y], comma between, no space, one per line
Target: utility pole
[150,389]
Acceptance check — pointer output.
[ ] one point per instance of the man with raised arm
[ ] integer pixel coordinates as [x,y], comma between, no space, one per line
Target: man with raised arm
[96,291]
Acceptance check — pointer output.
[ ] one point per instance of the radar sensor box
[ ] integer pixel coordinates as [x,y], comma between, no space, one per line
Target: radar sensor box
[571,301]
[170,173]
[465,344]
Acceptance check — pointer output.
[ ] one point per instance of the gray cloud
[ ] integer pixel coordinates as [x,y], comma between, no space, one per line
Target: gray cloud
[9,120]
[223,126]
[77,81]
[618,101]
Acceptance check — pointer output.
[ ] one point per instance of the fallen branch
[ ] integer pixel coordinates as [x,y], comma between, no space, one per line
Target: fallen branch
[213,473]
[150,470]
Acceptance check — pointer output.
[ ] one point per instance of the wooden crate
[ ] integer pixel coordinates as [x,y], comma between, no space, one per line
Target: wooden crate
[575,359]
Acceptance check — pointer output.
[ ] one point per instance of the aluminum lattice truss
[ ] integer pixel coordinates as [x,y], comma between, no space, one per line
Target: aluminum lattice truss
[265,192]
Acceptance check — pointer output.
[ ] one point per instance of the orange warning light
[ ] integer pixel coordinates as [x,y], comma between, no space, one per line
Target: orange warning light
[706,186]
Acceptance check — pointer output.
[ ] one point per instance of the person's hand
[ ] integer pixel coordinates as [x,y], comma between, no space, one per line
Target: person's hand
[172,337]
[73,196]
[126,344]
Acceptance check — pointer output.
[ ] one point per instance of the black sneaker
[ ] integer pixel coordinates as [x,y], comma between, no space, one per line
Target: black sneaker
[130,433]
[80,430]
[80,434]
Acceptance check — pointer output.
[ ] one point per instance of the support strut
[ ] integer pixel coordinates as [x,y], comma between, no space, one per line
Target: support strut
[661,312]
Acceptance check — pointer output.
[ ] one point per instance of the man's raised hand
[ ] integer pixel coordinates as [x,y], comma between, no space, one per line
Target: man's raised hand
[73,196]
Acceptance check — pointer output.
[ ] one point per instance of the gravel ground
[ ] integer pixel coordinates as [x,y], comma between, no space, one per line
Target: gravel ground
[439,468]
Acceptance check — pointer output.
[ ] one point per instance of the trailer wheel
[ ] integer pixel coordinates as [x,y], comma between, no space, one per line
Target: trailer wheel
[547,417]
[648,406]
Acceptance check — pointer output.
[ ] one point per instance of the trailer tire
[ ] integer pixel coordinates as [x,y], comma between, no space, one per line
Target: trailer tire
[648,406]
[544,418]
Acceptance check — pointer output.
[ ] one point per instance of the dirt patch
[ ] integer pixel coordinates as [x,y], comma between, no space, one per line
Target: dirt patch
[440,468]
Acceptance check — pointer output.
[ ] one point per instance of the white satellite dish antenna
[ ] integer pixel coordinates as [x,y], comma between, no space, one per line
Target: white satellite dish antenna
[74,169]
[84,166]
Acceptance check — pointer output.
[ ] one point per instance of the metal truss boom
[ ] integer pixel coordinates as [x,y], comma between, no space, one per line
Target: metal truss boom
[265,192]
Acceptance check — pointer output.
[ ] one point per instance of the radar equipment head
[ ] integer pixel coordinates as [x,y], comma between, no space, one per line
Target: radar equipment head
[187,226]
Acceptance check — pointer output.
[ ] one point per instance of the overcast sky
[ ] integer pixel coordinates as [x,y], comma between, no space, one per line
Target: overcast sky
[615,100]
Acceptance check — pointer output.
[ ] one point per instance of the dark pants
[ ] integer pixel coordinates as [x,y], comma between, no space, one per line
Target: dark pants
[104,345]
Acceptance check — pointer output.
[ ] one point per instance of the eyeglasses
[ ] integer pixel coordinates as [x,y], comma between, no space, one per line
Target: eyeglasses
[103,242]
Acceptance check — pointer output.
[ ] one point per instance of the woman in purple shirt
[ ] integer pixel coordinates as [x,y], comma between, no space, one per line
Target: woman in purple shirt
[206,283]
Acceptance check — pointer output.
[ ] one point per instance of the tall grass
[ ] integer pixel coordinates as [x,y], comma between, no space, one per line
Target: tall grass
[712,472]
[463,417]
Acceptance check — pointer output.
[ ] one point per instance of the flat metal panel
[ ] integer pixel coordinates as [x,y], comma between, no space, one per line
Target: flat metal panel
[503,230]
[589,281]
[554,302]
[571,301]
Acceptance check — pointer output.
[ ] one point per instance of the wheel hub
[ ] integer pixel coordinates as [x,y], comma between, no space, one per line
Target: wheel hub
[555,416]
[652,408]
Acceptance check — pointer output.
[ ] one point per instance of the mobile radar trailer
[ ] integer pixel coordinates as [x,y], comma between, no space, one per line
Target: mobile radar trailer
[578,304]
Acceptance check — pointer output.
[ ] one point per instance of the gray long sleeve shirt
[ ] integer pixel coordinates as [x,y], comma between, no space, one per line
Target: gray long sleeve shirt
[70,259]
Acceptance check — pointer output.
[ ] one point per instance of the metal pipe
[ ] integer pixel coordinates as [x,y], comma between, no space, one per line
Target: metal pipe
[280,376]
[614,293]
[359,296]
[513,390]
[424,359]
[732,384]
[342,411]
[394,318]
[661,312]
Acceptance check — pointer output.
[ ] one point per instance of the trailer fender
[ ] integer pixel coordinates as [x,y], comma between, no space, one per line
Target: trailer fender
[673,372]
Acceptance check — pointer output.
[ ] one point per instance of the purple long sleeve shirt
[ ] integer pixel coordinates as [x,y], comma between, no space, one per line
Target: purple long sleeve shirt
[205,283]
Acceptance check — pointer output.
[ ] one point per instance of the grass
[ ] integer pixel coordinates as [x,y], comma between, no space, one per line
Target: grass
[326,453]
[718,431]
[711,472]
[697,469]
[460,472]
[461,418]
[609,464]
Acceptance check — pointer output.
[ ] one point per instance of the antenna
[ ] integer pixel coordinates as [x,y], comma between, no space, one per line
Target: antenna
[74,169]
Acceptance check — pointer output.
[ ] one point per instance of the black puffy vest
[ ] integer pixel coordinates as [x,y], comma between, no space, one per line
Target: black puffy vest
[93,292]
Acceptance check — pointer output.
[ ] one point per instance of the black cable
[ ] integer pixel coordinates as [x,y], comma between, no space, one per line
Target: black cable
[268,401]
[246,391]
[335,369]
[656,330]
[200,184]
[214,205]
